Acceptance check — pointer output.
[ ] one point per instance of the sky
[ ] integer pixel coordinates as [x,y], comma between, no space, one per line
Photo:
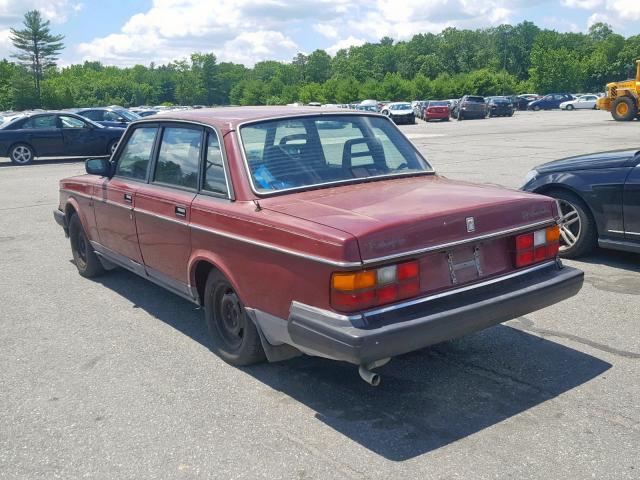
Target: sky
[129,32]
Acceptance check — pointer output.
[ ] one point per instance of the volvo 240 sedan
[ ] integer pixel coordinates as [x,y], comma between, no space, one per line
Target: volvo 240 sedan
[325,233]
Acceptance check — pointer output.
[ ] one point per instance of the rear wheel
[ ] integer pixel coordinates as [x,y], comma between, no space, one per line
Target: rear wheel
[21,154]
[235,338]
[624,109]
[536,108]
[84,256]
[578,233]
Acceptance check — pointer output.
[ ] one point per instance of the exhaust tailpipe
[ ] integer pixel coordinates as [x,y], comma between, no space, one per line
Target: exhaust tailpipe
[370,377]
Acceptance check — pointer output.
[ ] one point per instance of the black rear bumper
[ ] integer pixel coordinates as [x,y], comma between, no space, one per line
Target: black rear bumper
[394,331]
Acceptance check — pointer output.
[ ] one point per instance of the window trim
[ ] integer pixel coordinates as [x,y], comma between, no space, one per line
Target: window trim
[203,166]
[284,191]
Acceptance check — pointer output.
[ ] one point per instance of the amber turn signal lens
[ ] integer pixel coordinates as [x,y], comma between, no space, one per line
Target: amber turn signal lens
[553,234]
[348,282]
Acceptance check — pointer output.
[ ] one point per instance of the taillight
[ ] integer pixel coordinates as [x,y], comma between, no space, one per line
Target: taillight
[353,291]
[537,246]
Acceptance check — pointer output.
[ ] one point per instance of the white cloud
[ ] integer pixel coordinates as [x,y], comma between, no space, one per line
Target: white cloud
[326,30]
[251,47]
[11,11]
[585,4]
[350,41]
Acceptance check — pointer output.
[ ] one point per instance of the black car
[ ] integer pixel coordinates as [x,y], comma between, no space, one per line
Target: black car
[55,134]
[599,199]
[109,116]
[470,106]
[499,107]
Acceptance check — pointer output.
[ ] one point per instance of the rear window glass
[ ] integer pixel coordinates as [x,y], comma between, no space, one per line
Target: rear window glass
[438,104]
[41,122]
[305,152]
[475,99]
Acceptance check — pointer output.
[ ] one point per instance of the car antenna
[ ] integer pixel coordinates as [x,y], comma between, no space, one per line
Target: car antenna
[258,207]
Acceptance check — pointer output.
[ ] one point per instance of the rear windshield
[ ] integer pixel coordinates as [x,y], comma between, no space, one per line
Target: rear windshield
[500,100]
[306,152]
[438,104]
[475,99]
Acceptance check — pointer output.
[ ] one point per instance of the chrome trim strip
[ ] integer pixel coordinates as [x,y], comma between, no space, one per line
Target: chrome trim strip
[161,217]
[444,246]
[632,233]
[616,231]
[492,281]
[276,248]
[430,170]
[325,313]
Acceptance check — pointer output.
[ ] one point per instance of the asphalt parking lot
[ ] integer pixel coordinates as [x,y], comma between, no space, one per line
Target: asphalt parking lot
[113,378]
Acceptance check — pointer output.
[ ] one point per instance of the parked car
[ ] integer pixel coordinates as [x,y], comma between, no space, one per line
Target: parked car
[144,112]
[499,107]
[341,243]
[599,198]
[55,134]
[418,108]
[108,116]
[549,102]
[582,102]
[399,112]
[436,110]
[521,102]
[470,106]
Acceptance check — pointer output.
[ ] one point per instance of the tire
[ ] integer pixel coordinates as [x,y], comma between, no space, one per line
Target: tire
[624,109]
[234,337]
[21,154]
[586,232]
[536,108]
[84,256]
[460,116]
[113,144]
[570,107]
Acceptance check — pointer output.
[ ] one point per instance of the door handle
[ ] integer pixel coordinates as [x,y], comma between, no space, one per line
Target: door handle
[128,198]
[181,212]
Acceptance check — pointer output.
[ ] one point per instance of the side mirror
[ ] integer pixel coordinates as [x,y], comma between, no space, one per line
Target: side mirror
[122,120]
[98,166]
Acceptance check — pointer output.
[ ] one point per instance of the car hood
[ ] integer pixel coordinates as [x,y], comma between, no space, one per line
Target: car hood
[613,159]
[401,215]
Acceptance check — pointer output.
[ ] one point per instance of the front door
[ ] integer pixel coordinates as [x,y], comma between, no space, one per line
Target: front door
[163,207]
[115,198]
[79,137]
[631,205]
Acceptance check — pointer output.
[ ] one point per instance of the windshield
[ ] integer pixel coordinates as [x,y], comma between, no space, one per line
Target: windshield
[304,152]
[400,106]
[128,115]
[475,99]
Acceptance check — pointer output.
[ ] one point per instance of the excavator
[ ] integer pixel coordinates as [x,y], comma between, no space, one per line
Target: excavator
[622,98]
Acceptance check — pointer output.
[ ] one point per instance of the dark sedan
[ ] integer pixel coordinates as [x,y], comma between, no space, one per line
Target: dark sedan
[599,199]
[470,107]
[109,116]
[55,134]
[499,107]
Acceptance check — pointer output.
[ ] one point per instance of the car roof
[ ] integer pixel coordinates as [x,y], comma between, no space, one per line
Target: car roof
[228,118]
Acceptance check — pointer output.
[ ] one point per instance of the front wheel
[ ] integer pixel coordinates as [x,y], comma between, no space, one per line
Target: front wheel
[578,233]
[536,108]
[85,258]
[624,109]
[234,337]
[21,154]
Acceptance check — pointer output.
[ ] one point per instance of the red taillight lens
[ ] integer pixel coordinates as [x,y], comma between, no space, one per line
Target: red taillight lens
[353,291]
[537,246]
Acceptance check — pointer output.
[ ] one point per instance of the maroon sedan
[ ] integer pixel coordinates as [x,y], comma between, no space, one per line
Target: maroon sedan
[325,233]
[437,111]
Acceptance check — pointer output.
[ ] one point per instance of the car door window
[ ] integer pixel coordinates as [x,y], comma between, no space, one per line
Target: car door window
[214,177]
[40,123]
[71,122]
[95,115]
[136,154]
[179,157]
[112,117]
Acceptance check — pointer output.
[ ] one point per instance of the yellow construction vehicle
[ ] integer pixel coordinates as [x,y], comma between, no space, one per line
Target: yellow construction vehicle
[622,98]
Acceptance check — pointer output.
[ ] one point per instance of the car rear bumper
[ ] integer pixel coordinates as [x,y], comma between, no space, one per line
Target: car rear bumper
[437,116]
[424,322]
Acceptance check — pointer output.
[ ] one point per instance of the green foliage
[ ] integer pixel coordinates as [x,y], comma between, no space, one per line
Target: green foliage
[503,60]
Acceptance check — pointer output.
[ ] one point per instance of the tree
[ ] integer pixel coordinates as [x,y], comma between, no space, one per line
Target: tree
[38,48]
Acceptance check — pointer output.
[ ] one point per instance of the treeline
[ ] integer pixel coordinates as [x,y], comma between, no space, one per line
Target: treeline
[502,60]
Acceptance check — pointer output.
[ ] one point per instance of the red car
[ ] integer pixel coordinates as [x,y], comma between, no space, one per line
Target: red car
[437,111]
[325,233]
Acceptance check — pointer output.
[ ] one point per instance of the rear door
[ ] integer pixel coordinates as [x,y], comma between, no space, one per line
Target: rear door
[80,138]
[631,207]
[163,207]
[115,198]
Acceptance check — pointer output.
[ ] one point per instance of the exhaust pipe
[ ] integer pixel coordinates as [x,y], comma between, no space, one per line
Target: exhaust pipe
[370,377]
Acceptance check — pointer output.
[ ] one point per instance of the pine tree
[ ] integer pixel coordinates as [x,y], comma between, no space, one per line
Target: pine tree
[38,48]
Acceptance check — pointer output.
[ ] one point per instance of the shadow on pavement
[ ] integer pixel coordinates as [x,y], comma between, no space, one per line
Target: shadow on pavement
[5,162]
[427,399]
[613,258]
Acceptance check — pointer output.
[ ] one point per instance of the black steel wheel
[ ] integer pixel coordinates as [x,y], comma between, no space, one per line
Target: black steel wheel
[85,258]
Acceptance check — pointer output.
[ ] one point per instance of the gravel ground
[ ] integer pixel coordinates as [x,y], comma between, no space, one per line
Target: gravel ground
[113,378]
